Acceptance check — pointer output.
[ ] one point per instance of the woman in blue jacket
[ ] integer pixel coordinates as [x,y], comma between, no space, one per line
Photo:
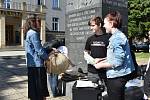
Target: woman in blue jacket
[119,63]
[35,56]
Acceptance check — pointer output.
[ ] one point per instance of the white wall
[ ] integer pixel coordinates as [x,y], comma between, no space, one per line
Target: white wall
[59,13]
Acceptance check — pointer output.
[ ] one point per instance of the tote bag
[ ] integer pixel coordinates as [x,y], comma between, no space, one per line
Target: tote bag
[57,63]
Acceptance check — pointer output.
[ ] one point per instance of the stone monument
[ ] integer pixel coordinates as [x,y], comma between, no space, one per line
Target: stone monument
[78,13]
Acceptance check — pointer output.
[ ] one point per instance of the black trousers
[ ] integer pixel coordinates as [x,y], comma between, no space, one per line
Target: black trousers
[37,83]
[147,83]
[116,87]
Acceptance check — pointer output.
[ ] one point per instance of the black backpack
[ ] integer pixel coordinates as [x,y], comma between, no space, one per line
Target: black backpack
[138,70]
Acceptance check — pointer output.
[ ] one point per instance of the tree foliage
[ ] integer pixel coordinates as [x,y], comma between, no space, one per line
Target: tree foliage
[138,18]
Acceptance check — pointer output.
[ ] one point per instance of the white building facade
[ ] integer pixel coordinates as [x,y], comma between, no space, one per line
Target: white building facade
[55,19]
[13,14]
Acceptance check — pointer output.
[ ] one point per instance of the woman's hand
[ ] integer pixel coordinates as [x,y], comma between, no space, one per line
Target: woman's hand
[97,60]
[102,64]
[98,65]
[55,50]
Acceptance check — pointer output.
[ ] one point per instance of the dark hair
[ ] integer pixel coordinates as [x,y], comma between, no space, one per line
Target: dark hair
[98,20]
[116,18]
[57,43]
[32,22]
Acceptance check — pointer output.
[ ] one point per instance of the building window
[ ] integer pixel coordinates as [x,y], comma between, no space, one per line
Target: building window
[7,3]
[55,24]
[55,4]
[44,2]
[41,2]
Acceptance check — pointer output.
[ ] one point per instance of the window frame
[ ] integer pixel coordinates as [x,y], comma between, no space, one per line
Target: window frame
[41,2]
[55,23]
[7,4]
[55,4]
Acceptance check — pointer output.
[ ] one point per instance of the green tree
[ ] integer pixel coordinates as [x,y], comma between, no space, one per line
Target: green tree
[139,18]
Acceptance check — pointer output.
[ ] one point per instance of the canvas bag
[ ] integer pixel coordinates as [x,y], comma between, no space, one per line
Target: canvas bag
[57,63]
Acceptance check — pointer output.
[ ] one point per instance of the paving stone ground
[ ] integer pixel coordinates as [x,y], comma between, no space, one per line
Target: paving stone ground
[13,77]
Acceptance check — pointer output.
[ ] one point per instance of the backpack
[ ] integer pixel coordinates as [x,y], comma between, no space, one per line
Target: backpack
[57,63]
[138,70]
[147,80]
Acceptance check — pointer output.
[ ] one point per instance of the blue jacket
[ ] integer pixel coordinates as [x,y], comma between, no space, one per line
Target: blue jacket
[35,54]
[118,54]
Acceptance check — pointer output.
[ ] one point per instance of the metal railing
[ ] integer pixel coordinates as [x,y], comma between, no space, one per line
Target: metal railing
[20,6]
[33,7]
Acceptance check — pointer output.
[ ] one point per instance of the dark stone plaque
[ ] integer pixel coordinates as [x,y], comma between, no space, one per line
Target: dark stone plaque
[78,13]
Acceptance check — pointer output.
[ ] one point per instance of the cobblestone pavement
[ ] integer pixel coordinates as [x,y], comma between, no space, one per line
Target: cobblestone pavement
[13,78]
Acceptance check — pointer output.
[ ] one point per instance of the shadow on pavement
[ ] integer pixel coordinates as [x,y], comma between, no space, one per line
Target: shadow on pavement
[13,79]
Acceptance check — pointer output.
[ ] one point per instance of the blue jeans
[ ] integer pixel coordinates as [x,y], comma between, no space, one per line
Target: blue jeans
[53,81]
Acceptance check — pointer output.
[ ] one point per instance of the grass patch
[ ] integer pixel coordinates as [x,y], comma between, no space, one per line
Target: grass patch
[142,56]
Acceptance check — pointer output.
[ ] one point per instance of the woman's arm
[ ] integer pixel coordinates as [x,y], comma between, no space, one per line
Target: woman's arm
[103,64]
[38,46]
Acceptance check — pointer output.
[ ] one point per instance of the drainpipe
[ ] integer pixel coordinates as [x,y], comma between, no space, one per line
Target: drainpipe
[42,16]
[24,15]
